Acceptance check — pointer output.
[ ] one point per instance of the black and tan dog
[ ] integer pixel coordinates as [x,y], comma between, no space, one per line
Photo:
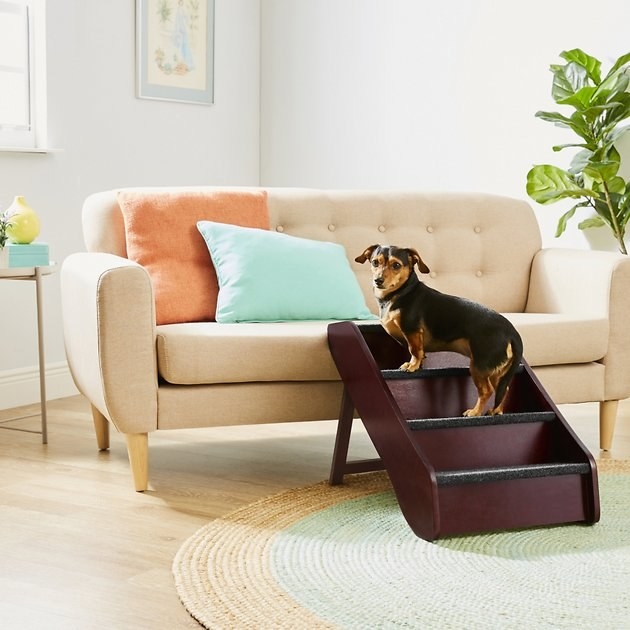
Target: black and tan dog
[429,321]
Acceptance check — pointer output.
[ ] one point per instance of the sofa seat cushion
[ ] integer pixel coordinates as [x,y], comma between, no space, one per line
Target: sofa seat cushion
[560,339]
[210,352]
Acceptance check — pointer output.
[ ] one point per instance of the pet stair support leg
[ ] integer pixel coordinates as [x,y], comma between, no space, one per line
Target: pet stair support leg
[340,465]
[101,428]
[607,420]
[138,451]
[342,440]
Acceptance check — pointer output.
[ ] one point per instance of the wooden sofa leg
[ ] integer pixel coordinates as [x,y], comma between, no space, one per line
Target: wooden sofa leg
[138,451]
[607,418]
[101,427]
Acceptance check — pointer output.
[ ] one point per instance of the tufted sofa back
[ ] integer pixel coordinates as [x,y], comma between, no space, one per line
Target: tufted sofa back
[477,245]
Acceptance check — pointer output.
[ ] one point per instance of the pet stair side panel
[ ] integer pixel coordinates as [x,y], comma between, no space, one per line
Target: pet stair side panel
[411,474]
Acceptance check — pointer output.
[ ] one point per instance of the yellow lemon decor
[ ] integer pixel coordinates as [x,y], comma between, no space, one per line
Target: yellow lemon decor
[24,226]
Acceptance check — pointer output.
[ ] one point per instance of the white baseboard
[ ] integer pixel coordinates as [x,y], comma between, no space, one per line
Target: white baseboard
[21,387]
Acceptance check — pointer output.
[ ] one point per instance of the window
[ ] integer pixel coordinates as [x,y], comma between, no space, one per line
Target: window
[22,74]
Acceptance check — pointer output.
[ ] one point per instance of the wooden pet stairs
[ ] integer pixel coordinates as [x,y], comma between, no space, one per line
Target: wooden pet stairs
[452,474]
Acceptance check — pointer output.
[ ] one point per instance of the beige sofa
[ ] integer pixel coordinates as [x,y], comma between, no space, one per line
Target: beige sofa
[570,307]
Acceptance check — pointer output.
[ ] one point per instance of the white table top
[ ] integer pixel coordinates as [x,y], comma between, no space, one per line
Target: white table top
[26,272]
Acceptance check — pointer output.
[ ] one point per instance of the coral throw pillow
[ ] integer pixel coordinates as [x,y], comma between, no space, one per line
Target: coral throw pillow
[162,236]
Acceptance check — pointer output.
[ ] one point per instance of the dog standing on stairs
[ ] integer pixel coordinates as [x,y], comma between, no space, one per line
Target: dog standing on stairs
[426,320]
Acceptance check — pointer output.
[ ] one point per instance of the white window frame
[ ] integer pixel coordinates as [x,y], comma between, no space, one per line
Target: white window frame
[31,137]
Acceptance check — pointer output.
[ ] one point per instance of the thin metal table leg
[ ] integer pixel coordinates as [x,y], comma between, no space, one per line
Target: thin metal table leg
[42,361]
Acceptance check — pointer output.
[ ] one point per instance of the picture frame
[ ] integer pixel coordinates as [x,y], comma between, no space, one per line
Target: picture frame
[175,50]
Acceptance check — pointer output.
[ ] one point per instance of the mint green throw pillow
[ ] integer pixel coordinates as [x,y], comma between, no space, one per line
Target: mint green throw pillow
[270,277]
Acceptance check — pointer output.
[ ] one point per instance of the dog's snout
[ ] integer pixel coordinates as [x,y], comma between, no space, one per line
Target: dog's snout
[378,282]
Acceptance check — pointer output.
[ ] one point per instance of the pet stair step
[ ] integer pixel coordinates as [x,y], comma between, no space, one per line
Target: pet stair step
[437,372]
[402,375]
[419,424]
[508,473]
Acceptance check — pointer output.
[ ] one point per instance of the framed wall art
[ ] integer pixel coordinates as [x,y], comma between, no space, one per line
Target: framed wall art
[175,50]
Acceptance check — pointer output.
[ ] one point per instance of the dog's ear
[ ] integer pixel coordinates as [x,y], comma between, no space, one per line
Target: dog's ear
[416,260]
[366,255]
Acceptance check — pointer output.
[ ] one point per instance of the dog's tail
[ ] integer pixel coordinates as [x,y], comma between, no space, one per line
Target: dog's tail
[516,346]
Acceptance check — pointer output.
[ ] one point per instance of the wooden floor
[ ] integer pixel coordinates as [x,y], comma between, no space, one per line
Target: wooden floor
[79,549]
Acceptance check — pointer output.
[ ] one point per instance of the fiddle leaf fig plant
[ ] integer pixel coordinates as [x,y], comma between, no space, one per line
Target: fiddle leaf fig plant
[599,105]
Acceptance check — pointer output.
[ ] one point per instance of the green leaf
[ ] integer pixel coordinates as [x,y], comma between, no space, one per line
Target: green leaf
[562,222]
[616,185]
[622,61]
[590,64]
[621,85]
[606,109]
[601,171]
[605,153]
[580,160]
[559,147]
[581,99]
[567,80]
[591,222]
[613,155]
[554,117]
[580,124]
[613,86]
[618,110]
[602,209]
[548,184]
[576,123]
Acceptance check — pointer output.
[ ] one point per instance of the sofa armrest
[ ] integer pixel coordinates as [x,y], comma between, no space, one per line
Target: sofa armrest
[594,283]
[109,334]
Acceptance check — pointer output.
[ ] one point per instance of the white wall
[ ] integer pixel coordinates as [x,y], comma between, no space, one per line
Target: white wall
[355,93]
[416,94]
[108,138]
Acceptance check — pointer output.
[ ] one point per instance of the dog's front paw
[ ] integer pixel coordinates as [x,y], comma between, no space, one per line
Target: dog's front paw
[472,412]
[410,366]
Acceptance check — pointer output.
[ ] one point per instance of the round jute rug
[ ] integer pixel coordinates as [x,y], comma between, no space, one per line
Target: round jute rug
[344,557]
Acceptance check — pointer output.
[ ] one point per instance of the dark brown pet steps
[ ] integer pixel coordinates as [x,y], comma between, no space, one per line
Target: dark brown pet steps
[454,474]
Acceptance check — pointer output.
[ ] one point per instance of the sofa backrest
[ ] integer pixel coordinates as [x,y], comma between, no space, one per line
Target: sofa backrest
[477,245]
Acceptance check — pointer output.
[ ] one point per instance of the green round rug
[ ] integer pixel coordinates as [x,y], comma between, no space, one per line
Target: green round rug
[344,557]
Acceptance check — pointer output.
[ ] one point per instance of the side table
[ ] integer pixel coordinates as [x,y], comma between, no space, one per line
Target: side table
[35,274]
